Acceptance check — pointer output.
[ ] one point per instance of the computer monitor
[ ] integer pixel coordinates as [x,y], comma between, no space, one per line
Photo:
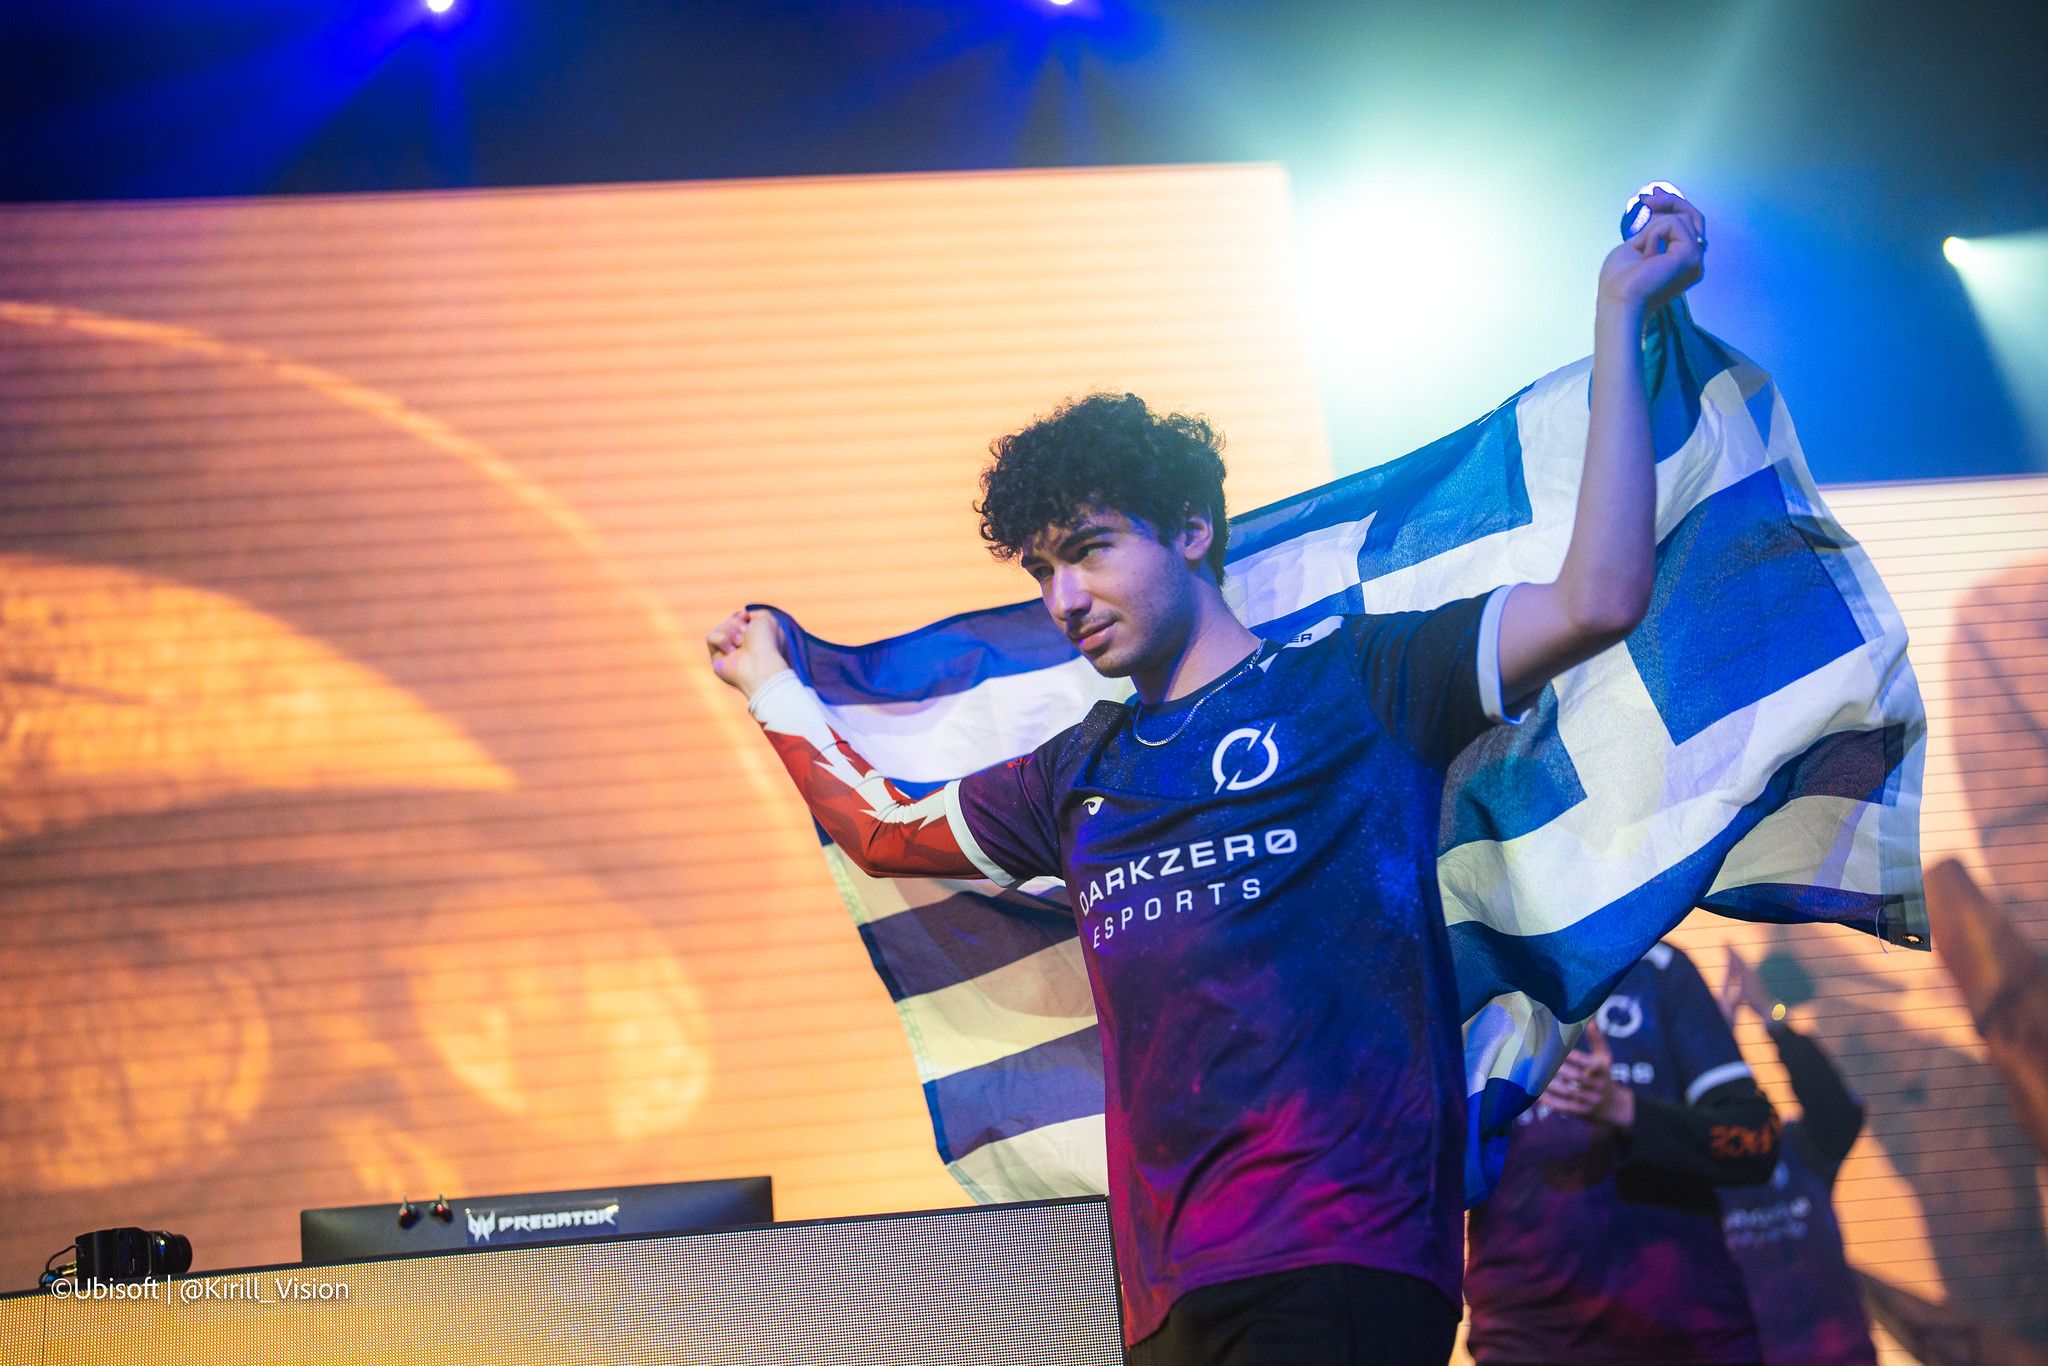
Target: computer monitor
[352,1232]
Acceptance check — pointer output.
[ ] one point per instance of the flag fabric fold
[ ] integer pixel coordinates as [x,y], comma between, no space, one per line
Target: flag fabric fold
[1754,747]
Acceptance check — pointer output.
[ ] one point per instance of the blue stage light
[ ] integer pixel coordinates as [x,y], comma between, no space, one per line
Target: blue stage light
[1956,250]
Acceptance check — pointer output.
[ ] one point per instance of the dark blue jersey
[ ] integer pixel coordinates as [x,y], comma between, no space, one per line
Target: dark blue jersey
[1783,1233]
[1582,1256]
[1253,872]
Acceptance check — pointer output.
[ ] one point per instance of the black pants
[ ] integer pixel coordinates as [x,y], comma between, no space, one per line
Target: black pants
[1336,1315]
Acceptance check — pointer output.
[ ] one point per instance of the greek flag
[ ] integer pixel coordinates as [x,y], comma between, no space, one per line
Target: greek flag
[1755,747]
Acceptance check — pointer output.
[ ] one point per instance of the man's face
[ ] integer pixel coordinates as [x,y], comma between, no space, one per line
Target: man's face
[1124,599]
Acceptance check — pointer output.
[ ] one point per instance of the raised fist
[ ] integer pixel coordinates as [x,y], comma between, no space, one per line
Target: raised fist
[746,649]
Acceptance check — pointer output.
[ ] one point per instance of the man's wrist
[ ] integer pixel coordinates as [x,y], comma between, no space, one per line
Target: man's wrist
[1619,316]
[759,694]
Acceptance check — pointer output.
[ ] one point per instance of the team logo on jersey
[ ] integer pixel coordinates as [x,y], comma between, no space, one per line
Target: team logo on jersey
[1238,756]
[1093,805]
[1620,1016]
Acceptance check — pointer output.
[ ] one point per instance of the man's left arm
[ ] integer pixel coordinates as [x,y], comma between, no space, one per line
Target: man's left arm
[1603,587]
[1727,1137]
[1725,1131]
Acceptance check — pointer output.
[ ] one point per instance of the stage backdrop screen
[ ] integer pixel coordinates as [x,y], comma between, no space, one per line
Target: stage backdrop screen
[370,821]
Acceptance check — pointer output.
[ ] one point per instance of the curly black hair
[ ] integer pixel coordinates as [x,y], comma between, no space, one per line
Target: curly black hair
[1109,450]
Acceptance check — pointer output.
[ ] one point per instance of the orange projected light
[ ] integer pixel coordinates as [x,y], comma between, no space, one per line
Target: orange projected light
[355,552]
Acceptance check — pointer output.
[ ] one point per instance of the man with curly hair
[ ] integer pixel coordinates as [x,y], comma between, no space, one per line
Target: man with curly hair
[1249,846]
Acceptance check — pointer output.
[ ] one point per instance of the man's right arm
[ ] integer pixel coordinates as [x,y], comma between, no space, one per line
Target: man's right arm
[1830,1115]
[1603,587]
[883,831]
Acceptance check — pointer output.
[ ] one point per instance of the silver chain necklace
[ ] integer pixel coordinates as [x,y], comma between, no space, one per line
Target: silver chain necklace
[1242,666]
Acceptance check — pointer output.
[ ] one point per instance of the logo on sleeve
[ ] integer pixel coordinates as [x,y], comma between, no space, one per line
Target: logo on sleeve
[1312,634]
[1093,804]
[1238,756]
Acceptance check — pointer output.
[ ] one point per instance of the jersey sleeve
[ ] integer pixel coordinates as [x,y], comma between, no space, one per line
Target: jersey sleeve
[883,831]
[1829,1113]
[1701,1044]
[1009,816]
[1724,1131]
[1432,678]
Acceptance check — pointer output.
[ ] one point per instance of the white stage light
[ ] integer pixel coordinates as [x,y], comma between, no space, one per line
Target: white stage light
[1429,294]
[2006,278]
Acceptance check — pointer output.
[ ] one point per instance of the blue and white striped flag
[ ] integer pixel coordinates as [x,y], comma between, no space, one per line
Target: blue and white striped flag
[1755,747]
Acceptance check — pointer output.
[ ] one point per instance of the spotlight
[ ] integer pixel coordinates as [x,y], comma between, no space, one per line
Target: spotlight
[2006,276]
[439,6]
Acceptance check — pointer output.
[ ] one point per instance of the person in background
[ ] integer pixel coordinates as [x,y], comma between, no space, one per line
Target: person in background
[1783,1233]
[1602,1244]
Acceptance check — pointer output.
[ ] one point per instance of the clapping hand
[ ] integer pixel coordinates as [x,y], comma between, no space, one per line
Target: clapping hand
[1585,1086]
